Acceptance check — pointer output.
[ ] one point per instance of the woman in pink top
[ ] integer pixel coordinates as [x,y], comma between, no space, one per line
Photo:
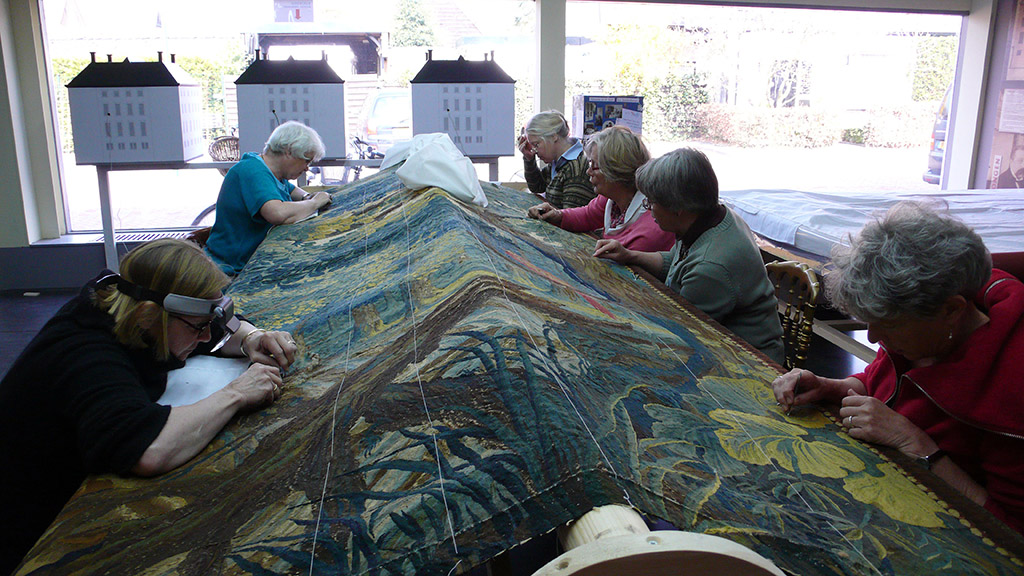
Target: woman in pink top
[615,153]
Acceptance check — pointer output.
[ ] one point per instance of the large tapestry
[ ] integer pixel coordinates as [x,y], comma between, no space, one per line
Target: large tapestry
[469,379]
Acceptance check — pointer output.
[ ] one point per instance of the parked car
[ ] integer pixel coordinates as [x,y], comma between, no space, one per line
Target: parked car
[937,151]
[386,118]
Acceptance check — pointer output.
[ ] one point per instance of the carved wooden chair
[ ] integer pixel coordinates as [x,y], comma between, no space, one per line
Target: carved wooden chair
[797,288]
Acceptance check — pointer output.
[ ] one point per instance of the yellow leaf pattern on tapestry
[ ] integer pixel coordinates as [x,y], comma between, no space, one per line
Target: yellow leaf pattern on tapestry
[896,495]
[759,440]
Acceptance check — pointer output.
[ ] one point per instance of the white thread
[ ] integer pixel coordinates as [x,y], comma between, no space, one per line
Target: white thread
[545,360]
[334,414]
[423,395]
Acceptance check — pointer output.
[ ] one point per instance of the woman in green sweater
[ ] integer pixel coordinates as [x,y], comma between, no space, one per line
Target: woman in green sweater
[715,264]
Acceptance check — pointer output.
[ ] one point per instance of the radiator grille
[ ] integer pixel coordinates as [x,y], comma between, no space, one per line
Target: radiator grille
[120,237]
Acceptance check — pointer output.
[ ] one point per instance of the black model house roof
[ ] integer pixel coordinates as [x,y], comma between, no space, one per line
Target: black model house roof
[129,74]
[290,71]
[462,71]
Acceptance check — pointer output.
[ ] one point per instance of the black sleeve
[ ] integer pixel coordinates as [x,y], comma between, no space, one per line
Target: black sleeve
[113,417]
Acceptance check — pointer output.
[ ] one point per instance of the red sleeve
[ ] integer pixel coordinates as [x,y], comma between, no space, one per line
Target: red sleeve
[584,218]
[874,375]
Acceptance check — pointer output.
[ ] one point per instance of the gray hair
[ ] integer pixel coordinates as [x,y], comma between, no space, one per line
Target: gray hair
[547,125]
[297,140]
[907,262]
[680,180]
[619,153]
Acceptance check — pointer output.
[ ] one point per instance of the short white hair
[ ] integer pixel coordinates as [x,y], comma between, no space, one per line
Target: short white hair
[907,262]
[297,140]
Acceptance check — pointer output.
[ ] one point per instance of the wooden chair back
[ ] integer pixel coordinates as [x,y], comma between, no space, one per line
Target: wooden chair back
[797,289]
[199,236]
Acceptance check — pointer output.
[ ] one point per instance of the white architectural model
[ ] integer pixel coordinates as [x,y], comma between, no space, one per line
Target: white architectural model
[271,92]
[472,101]
[135,112]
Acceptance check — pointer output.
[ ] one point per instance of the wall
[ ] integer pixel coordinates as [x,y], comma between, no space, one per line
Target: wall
[30,197]
[1005,10]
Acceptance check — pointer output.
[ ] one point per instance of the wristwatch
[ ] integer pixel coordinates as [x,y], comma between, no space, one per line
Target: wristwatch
[930,460]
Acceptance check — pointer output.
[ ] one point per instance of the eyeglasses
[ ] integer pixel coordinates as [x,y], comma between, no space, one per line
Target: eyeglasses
[199,328]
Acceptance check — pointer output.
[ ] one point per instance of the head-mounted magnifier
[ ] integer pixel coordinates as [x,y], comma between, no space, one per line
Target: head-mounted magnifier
[221,311]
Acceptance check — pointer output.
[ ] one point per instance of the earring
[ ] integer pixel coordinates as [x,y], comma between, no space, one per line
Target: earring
[950,333]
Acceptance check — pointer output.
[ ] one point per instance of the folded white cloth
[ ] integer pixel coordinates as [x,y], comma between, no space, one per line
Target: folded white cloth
[433,160]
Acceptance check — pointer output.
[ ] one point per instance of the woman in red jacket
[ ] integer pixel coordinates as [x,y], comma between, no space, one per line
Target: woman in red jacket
[946,386]
[614,154]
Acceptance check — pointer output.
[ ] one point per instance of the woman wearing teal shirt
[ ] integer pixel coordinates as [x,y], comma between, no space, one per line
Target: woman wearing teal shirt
[257,195]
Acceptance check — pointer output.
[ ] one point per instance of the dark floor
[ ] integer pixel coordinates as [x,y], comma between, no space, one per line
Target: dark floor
[21,316]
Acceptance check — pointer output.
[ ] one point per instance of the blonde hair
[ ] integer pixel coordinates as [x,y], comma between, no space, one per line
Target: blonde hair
[548,124]
[619,153]
[167,266]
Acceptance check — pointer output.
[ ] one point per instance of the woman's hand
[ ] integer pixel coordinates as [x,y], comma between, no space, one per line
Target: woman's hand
[258,386]
[613,250]
[868,419]
[525,148]
[321,199]
[546,212]
[190,428]
[275,348]
[798,387]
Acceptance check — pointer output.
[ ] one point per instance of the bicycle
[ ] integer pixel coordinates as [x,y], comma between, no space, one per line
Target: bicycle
[365,151]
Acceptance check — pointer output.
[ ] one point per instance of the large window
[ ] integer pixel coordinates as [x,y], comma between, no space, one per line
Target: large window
[777,98]
[375,51]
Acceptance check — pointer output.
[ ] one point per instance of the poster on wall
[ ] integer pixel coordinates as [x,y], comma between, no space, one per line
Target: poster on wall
[1006,166]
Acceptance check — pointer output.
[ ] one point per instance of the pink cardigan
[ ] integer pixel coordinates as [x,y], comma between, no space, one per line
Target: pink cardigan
[644,234]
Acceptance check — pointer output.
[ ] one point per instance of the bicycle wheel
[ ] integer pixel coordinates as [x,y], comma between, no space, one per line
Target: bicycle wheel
[206,212]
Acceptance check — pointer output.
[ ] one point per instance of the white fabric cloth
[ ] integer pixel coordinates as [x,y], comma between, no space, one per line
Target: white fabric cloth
[633,211]
[433,160]
[201,377]
[816,221]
